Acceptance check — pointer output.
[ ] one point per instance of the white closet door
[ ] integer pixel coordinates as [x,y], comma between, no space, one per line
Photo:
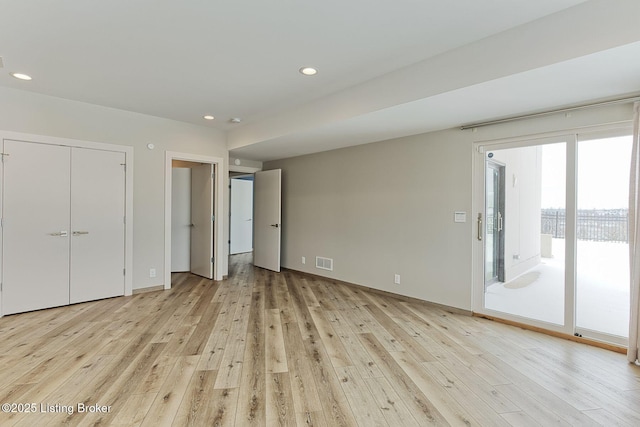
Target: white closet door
[97,224]
[202,220]
[36,226]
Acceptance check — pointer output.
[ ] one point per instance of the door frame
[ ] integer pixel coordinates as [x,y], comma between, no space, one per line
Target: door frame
[68,142]
[231,210]
[218,203]
[249,170]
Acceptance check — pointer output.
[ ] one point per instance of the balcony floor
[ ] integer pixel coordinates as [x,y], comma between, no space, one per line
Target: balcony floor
[602,292]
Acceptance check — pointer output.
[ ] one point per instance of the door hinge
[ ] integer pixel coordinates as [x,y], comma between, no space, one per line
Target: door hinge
[124,271]
[124,219]
[212,260]
[1,222]
[213,218]
[2,156]
[124,165]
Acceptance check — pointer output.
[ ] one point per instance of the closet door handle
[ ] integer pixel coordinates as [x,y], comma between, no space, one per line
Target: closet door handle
[62,233]
[78,233]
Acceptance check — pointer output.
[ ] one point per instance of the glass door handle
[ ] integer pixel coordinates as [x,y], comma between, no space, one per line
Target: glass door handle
[479,226]
[78,233]
[499,221]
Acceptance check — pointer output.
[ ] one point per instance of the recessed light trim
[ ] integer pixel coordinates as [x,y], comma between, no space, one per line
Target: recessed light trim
[208,117]
[308,71]
[21,76]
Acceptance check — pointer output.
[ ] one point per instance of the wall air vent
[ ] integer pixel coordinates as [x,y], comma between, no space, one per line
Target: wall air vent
[324,263]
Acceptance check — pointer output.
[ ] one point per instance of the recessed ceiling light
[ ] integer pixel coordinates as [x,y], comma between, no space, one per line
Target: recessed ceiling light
[207,117]
[21,76]
[308,71]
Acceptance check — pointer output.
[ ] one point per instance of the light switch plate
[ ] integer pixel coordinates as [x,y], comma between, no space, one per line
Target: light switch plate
[460,217]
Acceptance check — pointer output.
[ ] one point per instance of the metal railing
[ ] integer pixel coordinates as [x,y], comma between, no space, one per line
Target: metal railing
[601,225]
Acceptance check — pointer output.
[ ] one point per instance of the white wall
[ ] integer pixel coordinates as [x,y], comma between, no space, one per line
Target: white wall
[388,208]
[27,112]
[522,208]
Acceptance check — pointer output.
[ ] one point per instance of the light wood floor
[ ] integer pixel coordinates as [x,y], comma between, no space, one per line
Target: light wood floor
[270,349]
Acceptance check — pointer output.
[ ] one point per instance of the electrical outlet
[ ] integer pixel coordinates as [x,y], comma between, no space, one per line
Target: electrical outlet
[152,272]
[304,260]
[396,279]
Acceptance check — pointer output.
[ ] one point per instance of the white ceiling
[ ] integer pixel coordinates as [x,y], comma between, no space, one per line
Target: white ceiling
[386,69]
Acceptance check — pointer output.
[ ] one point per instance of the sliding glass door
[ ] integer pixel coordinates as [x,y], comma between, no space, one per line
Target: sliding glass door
[532,281]
[602,289]
[555,234]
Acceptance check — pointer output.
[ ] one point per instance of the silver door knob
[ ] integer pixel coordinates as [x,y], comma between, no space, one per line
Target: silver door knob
[78,233]
[62,233]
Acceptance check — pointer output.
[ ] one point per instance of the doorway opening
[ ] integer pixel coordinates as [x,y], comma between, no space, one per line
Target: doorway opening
[241,213]
[205,226]
[191,218]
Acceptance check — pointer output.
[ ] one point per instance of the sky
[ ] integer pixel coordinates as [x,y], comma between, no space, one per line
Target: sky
[603,174]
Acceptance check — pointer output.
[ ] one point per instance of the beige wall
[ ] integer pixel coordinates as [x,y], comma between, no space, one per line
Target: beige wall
[383,209]
[36,114]
[388,208]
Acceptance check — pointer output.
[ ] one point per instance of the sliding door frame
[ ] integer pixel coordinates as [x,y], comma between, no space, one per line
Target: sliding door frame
[571,138]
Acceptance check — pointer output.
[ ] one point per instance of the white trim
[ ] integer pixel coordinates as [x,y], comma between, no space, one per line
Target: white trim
[67,142]
[218,240]
[528,138]
[244,169]
[570,237]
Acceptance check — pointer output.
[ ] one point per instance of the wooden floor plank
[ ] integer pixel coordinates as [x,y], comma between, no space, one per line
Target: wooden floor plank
[279,400]
[364,407]
[165,406]
[394,410]
[275,353]
[251,409]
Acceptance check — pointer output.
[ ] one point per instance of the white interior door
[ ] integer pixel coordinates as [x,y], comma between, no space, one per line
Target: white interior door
[241,235]
[202,220]
[266,218]
[181,219]
[97,224]
[36,229]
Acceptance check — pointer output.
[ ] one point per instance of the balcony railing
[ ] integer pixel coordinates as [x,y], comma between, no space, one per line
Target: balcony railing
[601,225]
